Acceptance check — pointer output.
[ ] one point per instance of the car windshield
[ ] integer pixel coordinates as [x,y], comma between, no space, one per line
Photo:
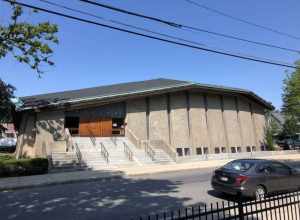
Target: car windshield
[239,165]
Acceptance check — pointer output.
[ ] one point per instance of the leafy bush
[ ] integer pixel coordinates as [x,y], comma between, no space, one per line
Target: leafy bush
[23,167]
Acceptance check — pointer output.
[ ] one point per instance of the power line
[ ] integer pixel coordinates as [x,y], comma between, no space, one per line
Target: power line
[185,27]
[120,23]
[241,20]
[255,59]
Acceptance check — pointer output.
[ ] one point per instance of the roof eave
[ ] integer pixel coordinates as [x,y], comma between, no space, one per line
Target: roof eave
[268,105]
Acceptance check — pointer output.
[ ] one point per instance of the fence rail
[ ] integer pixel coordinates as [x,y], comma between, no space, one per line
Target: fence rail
[278,207]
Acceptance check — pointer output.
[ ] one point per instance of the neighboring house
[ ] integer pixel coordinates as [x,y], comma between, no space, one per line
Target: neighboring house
[8,136]
[179,116]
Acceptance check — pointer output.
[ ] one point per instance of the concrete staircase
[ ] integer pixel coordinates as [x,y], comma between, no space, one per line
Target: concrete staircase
[117,156]
[64,160]
[93,159]
[91,155]
[161,157]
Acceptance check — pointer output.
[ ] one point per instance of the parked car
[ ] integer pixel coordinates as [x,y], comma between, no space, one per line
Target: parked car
[8,144]
[289,143]
[255,178]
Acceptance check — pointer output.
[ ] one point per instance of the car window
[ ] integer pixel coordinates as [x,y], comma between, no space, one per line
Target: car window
[279,168]
[239,165]
[264,168]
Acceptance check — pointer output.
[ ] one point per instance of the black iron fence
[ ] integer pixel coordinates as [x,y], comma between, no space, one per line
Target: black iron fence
[277,207]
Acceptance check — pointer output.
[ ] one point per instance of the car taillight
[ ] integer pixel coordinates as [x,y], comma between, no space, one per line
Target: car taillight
[239,180]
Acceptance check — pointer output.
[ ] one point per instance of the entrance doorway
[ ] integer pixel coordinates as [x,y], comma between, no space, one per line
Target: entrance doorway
[97,127]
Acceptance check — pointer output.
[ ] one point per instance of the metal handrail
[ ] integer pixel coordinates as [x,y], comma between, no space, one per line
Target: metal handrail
[128,152]
[164,146]
[114,140]
[104,152]
[78,153]
[133,138]
[149,151]
[92,138]
[72,146]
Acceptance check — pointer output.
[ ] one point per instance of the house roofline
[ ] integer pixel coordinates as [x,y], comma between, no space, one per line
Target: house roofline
[268,105]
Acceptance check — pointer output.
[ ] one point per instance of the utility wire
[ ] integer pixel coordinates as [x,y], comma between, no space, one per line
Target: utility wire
[185,27]
[120,23]
[241,20]
[124,24]
[260,60]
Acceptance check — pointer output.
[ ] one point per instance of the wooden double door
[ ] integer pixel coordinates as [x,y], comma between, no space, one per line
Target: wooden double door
[95,126]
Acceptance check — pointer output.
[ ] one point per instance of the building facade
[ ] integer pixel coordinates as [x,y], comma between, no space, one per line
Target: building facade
[185,118]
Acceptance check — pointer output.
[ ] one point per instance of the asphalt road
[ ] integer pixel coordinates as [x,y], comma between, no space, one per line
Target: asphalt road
[122,198]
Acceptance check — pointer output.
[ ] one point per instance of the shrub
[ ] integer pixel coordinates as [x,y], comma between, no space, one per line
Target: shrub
[23,167]
[4,157]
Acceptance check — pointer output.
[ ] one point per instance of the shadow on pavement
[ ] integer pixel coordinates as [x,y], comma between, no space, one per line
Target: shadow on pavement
[107,199]
[227,197]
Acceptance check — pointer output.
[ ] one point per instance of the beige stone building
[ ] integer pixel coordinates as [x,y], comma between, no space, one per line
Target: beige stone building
[180,118]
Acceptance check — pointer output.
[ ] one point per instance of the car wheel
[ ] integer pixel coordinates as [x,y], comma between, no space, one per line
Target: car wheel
[260,192]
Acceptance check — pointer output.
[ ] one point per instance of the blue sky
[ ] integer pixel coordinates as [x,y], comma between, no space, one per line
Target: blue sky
[89,56]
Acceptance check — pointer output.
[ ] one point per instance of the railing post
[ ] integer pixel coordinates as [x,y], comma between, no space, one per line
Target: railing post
[241,210]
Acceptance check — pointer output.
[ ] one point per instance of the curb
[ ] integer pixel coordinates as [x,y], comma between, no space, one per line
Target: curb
[38,185]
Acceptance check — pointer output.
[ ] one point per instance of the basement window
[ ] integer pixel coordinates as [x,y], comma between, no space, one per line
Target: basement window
[239,149]
[199,151]
[179,152]
[223,150]
[72,123]
[217,150]
[187,151]
[253,148]
[233,150]
[248,149]
[205,150]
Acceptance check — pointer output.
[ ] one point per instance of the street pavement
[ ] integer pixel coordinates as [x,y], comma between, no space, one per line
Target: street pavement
[111,199]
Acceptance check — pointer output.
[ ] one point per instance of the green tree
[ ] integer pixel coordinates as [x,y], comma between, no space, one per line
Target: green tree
[291,102]
[6,106]
[271,130]
[28,43]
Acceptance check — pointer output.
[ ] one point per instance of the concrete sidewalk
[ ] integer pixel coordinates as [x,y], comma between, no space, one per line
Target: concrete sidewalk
[132,171]
[79,176]
[11,183]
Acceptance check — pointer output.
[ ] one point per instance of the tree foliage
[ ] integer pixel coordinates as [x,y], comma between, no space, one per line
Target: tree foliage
[291,102]
[6,106]
[270,131]
[28,43]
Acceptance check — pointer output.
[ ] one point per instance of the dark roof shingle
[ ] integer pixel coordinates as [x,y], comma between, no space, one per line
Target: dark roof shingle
[122,89]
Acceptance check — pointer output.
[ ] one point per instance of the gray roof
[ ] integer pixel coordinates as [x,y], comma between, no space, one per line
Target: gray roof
[124,90]
[279,117]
